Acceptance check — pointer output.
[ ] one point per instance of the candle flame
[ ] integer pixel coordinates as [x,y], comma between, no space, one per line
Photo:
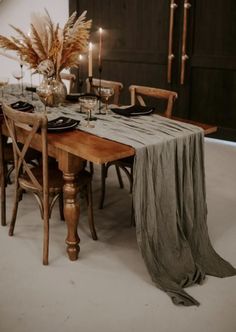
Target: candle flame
[100,30]
[90,45]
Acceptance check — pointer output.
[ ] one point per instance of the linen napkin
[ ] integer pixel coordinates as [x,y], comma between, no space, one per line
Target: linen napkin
[135,110]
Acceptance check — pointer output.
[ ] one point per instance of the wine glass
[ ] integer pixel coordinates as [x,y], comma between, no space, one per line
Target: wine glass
[18,75]
[89,103]
[3,83]
[106,93]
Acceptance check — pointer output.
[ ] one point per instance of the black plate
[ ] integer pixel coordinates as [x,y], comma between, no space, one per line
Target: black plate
[61,124]
[22,106]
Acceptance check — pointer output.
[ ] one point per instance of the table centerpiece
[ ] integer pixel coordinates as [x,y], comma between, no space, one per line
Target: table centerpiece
[48,49]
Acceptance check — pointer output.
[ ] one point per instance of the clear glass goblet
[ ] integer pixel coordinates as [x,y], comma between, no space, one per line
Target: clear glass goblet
[88,103]
[45,95]
[106,94]
[18,75]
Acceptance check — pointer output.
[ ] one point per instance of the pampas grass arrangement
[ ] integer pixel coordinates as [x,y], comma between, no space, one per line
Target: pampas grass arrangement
[47,41]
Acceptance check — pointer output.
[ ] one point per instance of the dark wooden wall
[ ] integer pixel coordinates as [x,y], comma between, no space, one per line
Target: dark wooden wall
[135,51]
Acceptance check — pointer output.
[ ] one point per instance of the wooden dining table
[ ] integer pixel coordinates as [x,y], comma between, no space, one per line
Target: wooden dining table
[71,149]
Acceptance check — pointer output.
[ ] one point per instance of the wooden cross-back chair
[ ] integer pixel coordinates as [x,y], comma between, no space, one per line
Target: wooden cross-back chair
[6,158]
[137,93]
[45,183]
[7,167]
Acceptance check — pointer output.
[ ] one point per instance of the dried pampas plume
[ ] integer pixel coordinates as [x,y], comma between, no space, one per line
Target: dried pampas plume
[48,41]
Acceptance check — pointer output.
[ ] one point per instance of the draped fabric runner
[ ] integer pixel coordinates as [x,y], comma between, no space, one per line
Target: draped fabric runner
[169,199]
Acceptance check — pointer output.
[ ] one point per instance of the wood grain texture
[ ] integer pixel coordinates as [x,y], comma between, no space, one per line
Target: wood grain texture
[80,144]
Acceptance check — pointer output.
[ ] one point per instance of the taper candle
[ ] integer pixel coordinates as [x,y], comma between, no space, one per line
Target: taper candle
[100,48]
[79,67]
[90,60]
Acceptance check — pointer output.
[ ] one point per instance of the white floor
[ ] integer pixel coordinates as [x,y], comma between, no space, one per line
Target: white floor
[108,289]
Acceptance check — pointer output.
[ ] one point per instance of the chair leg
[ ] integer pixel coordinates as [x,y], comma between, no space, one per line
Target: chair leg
[45,239]
[3,205]
[15,209]
[119,176]
[61,207]
[89,198]
[3,199]
[131,180]
[132,221]
[2,180]
[8,174]
[91,168]
[103,185]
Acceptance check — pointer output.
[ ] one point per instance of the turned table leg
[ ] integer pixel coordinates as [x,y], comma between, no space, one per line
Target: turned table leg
[71,213]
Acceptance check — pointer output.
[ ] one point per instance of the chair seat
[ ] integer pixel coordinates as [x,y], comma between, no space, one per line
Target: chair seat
[9,155]
[55,180]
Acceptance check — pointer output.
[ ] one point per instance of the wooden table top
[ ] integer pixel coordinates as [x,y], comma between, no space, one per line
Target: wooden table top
[208,128]
[96,149]
[81,144]
[89,147]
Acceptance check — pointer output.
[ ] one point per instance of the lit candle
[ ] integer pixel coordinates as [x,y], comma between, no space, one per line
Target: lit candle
[100,48]
[79,67]
[90,60]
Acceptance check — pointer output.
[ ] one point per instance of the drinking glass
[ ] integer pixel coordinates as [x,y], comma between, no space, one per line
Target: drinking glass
[45,95]
[105,94]
[88,103]
[3,83]
[18,75]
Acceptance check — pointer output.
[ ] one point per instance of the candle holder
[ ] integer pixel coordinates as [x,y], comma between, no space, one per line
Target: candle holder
[80,81]
[90,83]
[80,85]
[31,85]
[22,75]
[99,89]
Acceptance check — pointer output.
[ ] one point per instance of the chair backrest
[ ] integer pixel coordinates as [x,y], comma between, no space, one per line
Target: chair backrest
[32,122]
[71,78]
[117,86]
[137,92]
